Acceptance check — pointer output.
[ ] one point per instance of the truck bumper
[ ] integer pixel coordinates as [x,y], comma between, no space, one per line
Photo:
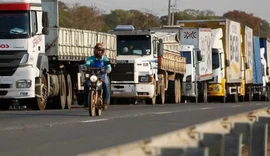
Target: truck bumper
[189,89]
[216,90]
[132,90]
[9,84]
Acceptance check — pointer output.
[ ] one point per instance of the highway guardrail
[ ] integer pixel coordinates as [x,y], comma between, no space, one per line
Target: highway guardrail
[242,134]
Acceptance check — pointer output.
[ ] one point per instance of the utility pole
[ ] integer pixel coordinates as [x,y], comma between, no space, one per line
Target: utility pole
[169,13]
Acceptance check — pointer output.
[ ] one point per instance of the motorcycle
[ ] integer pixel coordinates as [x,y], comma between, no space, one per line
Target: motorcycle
[95,76]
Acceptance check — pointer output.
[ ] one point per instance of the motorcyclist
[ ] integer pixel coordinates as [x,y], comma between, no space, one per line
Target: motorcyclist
[98,55]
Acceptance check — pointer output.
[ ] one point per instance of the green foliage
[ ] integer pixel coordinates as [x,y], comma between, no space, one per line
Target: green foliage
[92,18]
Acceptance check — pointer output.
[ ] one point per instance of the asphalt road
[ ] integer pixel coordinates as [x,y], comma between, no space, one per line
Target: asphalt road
[71,132]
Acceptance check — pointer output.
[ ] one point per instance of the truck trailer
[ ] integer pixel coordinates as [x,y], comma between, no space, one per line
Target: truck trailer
[229,89]
[40,62]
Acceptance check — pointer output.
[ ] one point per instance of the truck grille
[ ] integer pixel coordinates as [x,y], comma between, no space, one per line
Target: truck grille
[123,72]
[9,62]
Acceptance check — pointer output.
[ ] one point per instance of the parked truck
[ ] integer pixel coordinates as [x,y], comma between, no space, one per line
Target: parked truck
[259,65]
[196,47]
[230,72]
[39,61]
[247,57]
[147,62]
[265,57]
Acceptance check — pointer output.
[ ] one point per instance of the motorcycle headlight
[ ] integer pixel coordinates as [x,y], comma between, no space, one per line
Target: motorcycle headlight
[93,78]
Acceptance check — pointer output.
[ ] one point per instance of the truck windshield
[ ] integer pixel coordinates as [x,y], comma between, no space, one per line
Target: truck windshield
[215,58]
[134,45]
[14,24]
[187,55]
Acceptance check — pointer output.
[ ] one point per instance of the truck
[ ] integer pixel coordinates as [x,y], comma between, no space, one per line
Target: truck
[196,47]
[147,63]
[247,57]
[229,73]
[40,62]
[260,76]
[265,60]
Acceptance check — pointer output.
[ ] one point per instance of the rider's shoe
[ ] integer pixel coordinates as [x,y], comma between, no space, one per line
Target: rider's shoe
[105,105]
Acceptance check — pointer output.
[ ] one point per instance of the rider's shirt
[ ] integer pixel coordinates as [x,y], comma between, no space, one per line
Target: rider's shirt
[90,61]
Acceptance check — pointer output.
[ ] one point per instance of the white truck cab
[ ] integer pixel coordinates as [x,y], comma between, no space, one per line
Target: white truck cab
[22,29]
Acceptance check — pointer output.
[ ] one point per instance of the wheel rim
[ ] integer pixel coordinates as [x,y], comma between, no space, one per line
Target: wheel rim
[42,101]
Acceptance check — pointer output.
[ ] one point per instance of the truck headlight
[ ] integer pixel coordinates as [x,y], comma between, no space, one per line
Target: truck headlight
[23,83]
[24,59]
[144,79]
[93,78]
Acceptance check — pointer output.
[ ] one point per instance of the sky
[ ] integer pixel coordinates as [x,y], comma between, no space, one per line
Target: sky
[259,8]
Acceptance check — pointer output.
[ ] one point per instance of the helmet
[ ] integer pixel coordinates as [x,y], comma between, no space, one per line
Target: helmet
[98,47]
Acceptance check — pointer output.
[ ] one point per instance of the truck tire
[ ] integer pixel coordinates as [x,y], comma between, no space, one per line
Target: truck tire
[268,92]
[5,104]
[69,92]
[162,95]
[152,101]
[59,102]
[63,93]
[180,91]
[177,90]
[38,103]
[205,91]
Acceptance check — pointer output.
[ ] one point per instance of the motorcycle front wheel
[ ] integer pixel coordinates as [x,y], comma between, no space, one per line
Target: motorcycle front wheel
[92,100]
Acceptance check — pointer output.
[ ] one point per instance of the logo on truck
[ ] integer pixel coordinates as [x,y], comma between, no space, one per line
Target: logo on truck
[190,35]
[4,46]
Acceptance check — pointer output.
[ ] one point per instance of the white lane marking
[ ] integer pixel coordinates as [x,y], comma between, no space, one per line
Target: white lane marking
[158,113]
[206,108]
[237,106]
[97,120]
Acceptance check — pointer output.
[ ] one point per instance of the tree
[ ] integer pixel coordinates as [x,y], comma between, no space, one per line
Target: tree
[246,19]
[138,19]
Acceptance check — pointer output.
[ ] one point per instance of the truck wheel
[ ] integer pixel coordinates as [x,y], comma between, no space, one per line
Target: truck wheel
[162,94]
[59,102]
[5,104]
[152,101]
[205,95]
[268,93]
[236,97]
[176,91]
[180,90]
[39,103]
[250,94]
[69,92]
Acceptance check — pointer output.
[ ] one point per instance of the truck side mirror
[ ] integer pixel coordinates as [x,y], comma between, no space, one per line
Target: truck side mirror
[227,63]
[199,56]
[45,23]
[160,47]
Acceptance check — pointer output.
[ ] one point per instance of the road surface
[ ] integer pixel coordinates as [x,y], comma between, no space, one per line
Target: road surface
[71,132]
